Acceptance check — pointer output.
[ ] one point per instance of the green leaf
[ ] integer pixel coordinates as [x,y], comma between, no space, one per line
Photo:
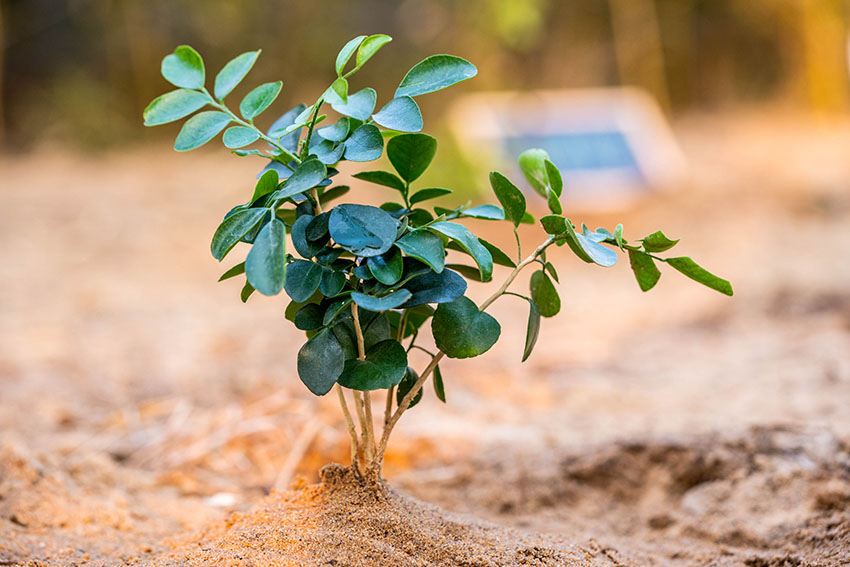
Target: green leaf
[384,367]
[267,183]
[658,242]
[360,105]
[308,174]
[346,52]
[333,193]
[200,129]
[401,113]
[336,132]
[173,106]
[411,154]
[469,272]
[340,87]
[544,294]
[469,242]
[618,236]
[486,212]
[184,68]
[364,144]
[320,362]
[432,287]
[553,174]
[239,137]
[370,47]
[550,267]
[532,163]
[308,317]
[511,198]
[298,234]
[424,246]
[499,257]
[259,99]
[265,266]
[435,73]
[246,292]
[532,329]
[233,272]
[588,250]
[527,218]
[233,228]
[646,272]
[439,388]
[554,224]
[426,194]
[407,384]
[332,283]
[233,73]
[388,267]
[302,281]
[691,269]
[553,203]
[389,301]
[363,230]
[461,330]
[384,178]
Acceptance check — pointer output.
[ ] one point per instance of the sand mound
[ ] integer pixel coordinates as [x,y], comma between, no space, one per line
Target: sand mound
[346,523]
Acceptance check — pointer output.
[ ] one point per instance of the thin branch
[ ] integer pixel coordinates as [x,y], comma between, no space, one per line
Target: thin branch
[408,398]
[364,401]
[352,430]
[388,410]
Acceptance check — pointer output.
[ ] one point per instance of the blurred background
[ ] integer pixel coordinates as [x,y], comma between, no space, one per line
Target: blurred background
[120,355]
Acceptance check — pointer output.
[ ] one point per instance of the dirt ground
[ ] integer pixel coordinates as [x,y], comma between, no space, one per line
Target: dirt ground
[146,414]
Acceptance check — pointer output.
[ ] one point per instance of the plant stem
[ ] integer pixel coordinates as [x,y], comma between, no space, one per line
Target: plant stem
[364,399]
[388,410]
[408,398]
[305,150]
[352,430]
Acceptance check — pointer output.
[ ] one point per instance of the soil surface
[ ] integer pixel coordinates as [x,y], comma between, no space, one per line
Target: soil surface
[147,415]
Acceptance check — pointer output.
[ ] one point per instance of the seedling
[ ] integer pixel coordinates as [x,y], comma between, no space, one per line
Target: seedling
[364,281]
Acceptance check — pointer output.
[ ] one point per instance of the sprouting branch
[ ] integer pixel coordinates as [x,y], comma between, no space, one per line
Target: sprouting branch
[408,398]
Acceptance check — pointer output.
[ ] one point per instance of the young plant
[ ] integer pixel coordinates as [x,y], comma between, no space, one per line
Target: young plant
[363,280]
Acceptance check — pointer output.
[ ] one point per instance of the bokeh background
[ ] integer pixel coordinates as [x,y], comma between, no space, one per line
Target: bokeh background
[131,376]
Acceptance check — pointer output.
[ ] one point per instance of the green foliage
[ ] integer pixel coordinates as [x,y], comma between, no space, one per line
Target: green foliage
[397,267]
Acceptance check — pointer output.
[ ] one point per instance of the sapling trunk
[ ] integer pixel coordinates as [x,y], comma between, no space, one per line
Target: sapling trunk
[368,278]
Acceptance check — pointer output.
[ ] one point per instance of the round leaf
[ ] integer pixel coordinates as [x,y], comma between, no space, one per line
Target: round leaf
[544,294]
[200,129]
[265,266]
[259,99]
[435,73]
[239,136]
[425,246]
[461,330]
[233,73]
[173,106]
[308,317]
[364,144]
[184,68]
[309,174]
[400,114]
[407,384]
[388,267]
[389,301]
[336,132]
[384,367]
[320,362]
[302,280]
[363,230]
[411,154]
[532,163]
[360,105]
[432,287]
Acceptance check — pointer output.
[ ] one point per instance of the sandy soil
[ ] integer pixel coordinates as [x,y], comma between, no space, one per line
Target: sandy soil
[146,413]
